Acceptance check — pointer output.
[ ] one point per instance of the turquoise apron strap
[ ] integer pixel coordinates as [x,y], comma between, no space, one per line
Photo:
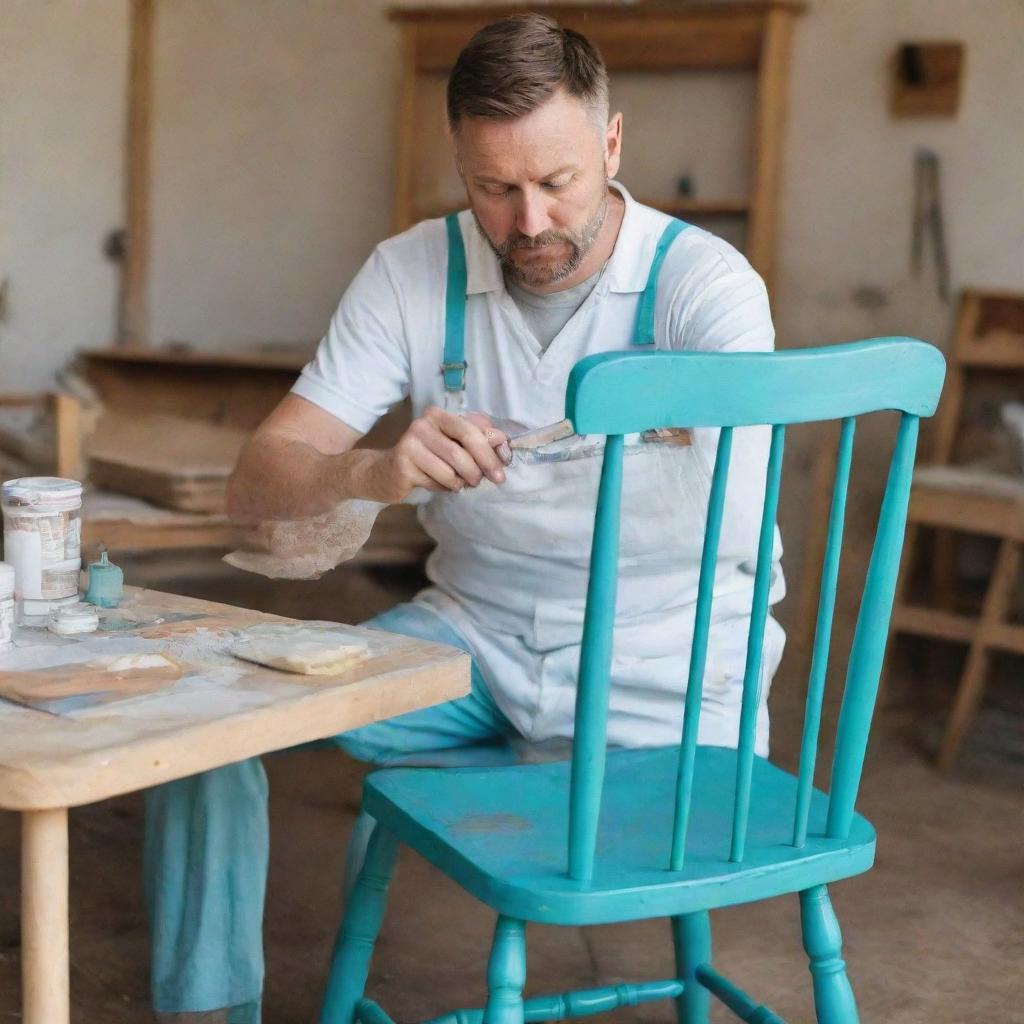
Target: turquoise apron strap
[643,333]
[453,364]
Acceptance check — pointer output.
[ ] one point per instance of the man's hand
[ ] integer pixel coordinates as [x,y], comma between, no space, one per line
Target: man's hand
[440,451]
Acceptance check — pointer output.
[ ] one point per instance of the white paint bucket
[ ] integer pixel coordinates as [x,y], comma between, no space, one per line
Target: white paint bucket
[43,539]
[6,604]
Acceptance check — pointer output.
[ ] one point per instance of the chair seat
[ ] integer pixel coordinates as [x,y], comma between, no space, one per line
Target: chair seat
[502,833]
[977,480]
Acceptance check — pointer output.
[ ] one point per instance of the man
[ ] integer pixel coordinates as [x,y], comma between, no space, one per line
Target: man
[489,311]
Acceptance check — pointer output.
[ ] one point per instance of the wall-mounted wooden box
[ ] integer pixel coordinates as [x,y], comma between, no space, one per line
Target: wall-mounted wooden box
[926,79]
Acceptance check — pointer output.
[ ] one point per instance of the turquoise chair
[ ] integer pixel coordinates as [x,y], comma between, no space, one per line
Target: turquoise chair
[671,832]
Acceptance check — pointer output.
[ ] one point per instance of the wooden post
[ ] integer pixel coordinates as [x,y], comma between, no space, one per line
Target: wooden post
[404,213]
[768,138]
[971,689]
[67,418]
[45,959]
[132,328]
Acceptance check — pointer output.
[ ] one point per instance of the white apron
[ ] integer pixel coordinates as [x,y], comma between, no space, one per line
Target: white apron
[511,565]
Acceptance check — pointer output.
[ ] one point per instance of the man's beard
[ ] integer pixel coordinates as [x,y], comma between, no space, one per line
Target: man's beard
[540,275]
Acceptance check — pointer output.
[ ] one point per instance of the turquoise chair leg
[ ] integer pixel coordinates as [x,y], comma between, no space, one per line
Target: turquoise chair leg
[350,963]
[833,997]
[506,973]
[691,934]
[359,840]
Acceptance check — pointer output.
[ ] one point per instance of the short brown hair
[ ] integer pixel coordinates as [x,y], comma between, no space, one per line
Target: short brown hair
[511,67]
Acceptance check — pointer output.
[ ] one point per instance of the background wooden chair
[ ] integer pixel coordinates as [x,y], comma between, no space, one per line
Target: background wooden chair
[966,488]
[674,831]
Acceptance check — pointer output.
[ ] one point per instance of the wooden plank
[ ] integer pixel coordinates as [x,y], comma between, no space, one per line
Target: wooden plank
[217,393]
[939,625]
[558,11]
[962,629]
[403,215]
[49,762]
[947,418]
[133,313]
[968,513]
[172,461]
[997,349]
[1005,636]
[769,129]
[27,447]
[67,418]
[661,41]
[20,401]
[682,207]
[283,357]
[152,535]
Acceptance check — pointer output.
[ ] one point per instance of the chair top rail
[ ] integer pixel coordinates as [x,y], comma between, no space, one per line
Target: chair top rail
[627,392]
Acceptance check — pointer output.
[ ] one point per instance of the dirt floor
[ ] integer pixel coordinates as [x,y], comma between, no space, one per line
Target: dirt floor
[933,935]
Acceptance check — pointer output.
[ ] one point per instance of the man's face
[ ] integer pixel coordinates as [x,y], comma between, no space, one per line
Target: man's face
[538,185]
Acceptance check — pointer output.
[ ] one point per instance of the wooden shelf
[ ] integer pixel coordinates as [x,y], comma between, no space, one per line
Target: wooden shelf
[640,37]
[285,357]
[682,207]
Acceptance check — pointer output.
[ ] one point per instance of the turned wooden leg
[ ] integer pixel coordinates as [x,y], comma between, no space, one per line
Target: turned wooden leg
[45,960]
[364,912]
[691,934]
[833,997]
[506,973]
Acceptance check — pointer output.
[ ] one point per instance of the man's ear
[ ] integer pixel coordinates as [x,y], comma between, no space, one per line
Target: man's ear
[613,146]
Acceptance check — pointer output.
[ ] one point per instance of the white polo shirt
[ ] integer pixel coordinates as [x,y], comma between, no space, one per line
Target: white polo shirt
[524,592]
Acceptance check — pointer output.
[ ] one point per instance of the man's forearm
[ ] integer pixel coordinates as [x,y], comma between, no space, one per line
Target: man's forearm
[282,478]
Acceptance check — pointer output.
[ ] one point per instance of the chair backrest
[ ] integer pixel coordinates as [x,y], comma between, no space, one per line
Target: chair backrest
[622,393]
[988,339]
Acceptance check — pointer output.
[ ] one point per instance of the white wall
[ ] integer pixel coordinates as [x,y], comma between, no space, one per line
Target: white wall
[275,125]
[273,166]
[848,194]
[62,110]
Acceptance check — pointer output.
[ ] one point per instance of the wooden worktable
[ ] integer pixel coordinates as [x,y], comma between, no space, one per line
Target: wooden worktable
[221,711]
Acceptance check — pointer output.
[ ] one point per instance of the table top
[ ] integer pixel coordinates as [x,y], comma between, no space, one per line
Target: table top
[222,709]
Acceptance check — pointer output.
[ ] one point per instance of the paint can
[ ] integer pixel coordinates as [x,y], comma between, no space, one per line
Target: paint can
[70,619]
[43,540]
[6,604]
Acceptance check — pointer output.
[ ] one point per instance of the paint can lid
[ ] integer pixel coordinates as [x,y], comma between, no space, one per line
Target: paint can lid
[43,493]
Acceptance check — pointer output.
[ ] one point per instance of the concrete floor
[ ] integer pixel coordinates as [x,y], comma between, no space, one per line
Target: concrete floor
[933,935]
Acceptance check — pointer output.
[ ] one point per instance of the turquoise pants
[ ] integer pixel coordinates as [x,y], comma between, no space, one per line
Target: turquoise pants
[206,840]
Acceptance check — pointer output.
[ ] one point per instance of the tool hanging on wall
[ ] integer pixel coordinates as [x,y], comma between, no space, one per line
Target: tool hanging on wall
[928,217]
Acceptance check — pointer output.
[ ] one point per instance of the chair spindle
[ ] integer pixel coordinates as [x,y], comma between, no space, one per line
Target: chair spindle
[588,756]
[823,632]
[699,650]
[871,634]
[755,647]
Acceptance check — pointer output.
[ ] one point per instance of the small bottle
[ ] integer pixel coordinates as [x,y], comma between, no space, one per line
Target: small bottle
[106,583]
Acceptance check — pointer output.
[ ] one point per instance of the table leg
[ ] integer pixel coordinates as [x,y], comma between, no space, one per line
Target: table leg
[45,960]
